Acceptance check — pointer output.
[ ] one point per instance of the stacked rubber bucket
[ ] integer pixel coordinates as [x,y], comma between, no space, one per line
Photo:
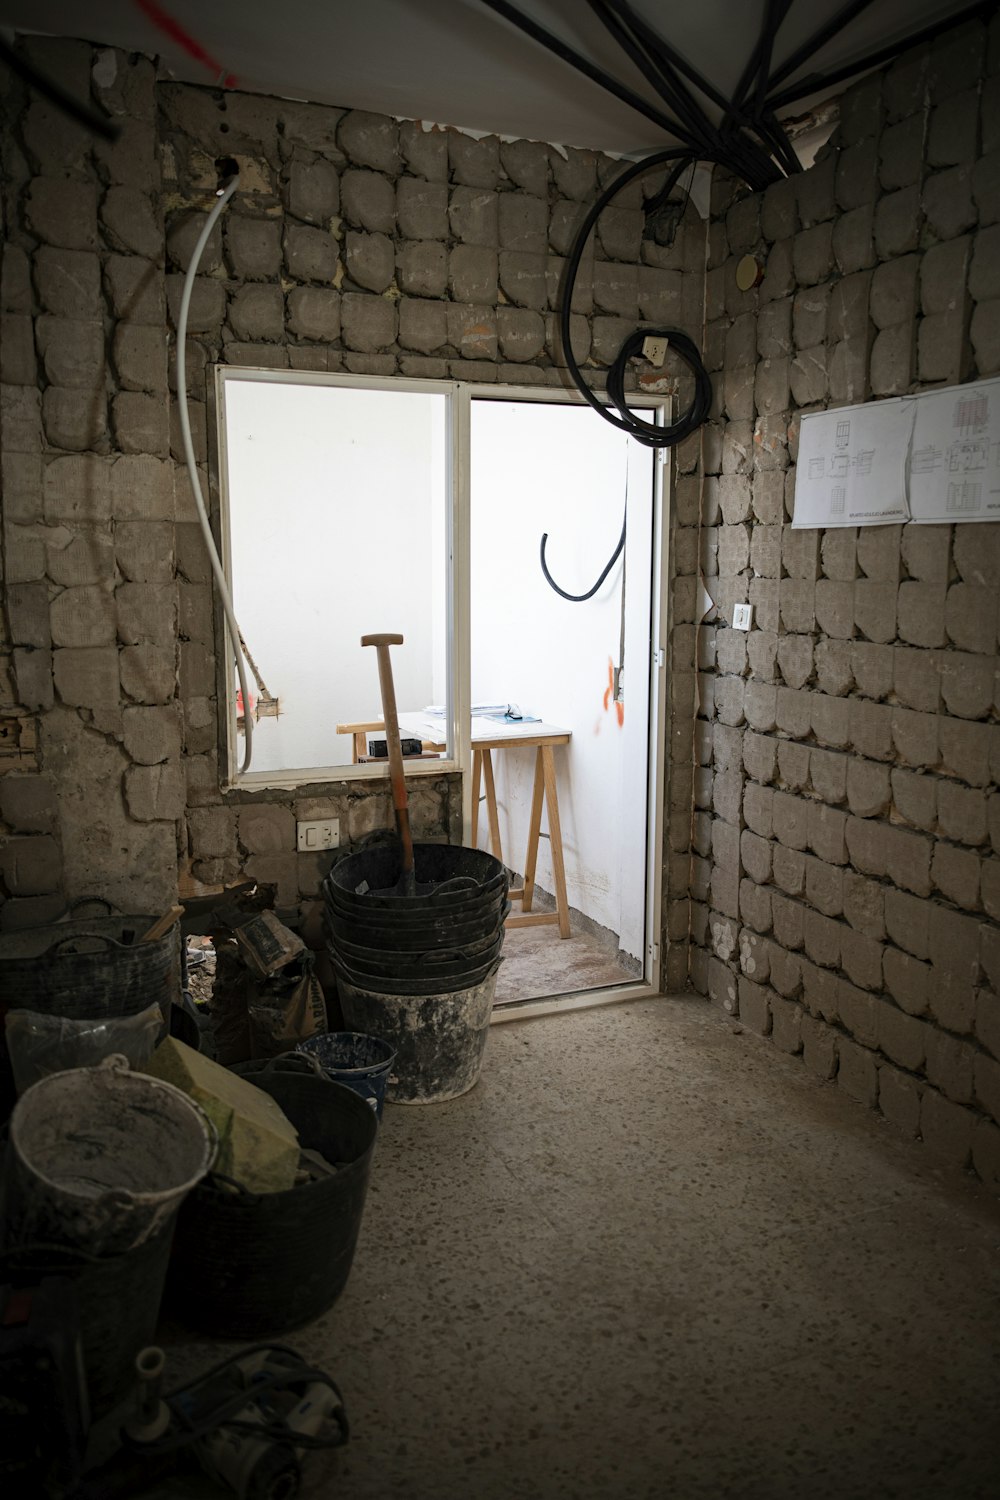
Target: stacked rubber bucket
[419,970]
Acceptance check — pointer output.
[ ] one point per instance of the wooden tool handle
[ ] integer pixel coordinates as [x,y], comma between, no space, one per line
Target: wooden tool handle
[395,749]
[162,925]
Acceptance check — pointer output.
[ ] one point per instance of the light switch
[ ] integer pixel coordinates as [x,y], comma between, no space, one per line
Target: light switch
[317,834]
[742,615]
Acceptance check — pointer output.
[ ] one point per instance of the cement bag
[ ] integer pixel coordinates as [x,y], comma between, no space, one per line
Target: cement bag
[40,1044]
[287,1008]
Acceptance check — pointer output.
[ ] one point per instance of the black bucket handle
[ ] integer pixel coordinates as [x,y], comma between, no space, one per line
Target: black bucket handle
[94,901]
[101,937]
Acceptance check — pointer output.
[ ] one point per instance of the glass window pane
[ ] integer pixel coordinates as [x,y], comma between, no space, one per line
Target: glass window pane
[337,513]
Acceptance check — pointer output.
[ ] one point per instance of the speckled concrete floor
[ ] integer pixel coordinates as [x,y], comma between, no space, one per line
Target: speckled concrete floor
[648,1257]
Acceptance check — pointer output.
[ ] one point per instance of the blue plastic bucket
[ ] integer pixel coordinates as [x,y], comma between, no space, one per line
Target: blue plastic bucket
[360,1062]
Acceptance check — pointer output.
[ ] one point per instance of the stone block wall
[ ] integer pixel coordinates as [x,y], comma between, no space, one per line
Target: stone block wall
[356,243]
[846,874]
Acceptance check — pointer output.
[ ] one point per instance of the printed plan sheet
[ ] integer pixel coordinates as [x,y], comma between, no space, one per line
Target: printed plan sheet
[955,454]
[852,465]
[934,458]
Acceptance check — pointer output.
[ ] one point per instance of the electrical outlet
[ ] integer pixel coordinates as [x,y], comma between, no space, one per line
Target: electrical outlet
[655,350]
[319,833]
[742,616]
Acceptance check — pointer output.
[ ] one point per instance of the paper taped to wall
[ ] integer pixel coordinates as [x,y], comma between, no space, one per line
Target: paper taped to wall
[852,465]
[955,454]
[933,458]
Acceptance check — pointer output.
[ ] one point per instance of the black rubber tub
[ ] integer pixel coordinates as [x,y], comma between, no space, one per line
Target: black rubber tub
[443,963]
[417,912]
[410,958]
[435,864]
[418,938]
[249,1266]
[433,984]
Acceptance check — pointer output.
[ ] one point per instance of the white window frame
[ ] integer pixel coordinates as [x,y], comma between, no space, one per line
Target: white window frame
[460,396]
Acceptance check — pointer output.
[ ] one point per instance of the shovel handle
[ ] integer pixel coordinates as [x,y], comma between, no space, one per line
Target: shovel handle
[395,749]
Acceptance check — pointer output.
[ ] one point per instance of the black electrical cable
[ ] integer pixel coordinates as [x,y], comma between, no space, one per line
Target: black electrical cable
[582,598]
[91,119]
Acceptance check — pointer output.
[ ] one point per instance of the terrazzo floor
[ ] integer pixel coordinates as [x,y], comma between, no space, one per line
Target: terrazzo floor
[648,1256]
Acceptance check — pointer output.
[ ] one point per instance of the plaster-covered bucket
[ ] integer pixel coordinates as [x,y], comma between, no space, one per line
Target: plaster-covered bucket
[100,1159]
[439,1040]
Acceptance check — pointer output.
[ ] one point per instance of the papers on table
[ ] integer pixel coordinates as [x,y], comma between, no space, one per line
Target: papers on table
[934,458]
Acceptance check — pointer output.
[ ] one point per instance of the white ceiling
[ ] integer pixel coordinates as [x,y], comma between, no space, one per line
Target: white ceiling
[457,63]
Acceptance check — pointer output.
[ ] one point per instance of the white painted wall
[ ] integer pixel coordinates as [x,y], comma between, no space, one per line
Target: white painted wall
[559,469]
[336,532]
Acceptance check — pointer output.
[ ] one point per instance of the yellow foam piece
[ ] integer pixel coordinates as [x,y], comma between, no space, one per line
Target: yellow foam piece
[258,1144]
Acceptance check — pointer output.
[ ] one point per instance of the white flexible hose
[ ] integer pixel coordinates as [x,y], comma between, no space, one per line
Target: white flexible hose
[199,499]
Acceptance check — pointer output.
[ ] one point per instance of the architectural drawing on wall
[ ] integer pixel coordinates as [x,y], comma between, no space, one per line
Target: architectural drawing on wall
[969,453]
[925,460]
[964,496]
[955,465]
[932,458]
[852,465]
[971,412]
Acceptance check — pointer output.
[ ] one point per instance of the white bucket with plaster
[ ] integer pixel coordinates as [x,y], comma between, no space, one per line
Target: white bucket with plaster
[99,1159]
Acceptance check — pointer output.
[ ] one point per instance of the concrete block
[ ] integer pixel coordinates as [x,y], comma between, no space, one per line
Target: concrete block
[370,140]
[916,678]
[865,846]
[18,363]
[149,673]
[977,553]
[140,357]
[985,335]
[72,352]
[310,254]
[942,348]
[962,813]
[84,616]
[207,311]
[946,1129]
[863,904]
[871,728]
[368,201]
[915,737]
[314,313]
[147,614]
[867,788]
[948,203]
[965,750]
[819,991]
[894,292]
[475,163]
[857,173]
[897,223]
[526,163]
[834,601]
[32,672]
[422,269]
[141,423]
[131,222]
[253,247]
[812,254]
[74,419]
[472,330]
[313,191]
[370,260]
[901,149]
[848,370]
[793,760]
[875,609]
[907,860]
[184,229]
[28,803]
[968,684]
[819,1047]
[87,677]
[152,736]
[956,874]
[619,230]
[971,617]
[368,323]
[16,293]
[925,552]
[154,792]
[908,981]
[472,274]
[815,192]
[954,129]
[473,217]
[907,923]
[921,613]
[826,833]
[986,1153]
[68,282]
[136,292]
[834,676]
[616,289]
[986,187]
[28,614]
[31,866]
[779,218]
[258,313]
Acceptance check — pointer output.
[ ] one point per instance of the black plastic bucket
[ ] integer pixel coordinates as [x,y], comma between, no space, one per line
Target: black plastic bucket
[360,1062]
[433,864]
[445,932]
[249,1265]
[119,1297]
[411,984]
[393,961]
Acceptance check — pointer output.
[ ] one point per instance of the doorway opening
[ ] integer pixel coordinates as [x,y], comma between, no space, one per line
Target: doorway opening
[565,690]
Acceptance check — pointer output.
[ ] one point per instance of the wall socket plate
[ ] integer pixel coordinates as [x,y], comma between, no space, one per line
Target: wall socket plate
[318,833]
[742,616]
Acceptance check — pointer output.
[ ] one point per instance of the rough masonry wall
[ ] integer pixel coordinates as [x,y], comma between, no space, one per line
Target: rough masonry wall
[846,879]
[355,243]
